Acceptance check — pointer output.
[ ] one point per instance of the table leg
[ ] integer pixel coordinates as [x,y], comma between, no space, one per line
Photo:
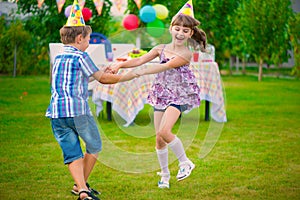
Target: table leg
[108,110]
[206,110]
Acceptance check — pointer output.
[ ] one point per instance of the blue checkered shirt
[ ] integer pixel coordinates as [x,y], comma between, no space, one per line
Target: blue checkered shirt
[69,85]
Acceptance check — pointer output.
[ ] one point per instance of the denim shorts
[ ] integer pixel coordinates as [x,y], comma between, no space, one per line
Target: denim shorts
[181,108]
[67,132]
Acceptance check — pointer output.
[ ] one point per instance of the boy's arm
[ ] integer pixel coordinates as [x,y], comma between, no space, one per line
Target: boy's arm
[108,78]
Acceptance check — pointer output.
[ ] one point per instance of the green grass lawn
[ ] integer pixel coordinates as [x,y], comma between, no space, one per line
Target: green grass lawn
[256,157]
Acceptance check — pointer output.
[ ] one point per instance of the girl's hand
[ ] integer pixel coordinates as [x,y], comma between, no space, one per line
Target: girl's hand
[108,70]
[115,67]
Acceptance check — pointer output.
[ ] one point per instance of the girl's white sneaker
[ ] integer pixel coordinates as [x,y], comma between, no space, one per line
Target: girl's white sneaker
[164,181]
[185,170]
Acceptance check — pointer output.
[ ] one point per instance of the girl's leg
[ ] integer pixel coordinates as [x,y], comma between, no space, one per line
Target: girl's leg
[168,120]
[162,153]
[161,146]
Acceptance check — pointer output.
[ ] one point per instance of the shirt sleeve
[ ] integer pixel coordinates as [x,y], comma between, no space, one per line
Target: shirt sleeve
[87,65]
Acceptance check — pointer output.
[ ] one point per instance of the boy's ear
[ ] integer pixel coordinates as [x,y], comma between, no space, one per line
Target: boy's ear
[78,38]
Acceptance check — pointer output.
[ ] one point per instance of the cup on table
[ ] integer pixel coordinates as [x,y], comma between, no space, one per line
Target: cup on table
[110,56]
[196,56]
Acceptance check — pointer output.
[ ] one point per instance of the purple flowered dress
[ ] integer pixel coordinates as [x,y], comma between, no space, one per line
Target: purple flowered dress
[174,86]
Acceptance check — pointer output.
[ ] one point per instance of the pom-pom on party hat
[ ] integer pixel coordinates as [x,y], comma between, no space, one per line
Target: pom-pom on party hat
[187,9]
[75,18]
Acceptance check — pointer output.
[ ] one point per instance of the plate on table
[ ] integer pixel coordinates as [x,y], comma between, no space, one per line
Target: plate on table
[121,59]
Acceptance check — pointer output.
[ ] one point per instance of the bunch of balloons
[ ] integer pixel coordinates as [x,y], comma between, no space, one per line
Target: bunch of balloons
[86,13]
[152,16]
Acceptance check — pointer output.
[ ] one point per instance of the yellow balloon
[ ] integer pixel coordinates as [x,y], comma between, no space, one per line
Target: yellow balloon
[161,11]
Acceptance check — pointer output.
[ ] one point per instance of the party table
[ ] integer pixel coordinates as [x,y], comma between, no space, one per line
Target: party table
[128,98]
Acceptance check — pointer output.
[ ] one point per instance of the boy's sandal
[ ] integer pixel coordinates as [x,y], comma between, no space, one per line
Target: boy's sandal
[93,191]
[89,197]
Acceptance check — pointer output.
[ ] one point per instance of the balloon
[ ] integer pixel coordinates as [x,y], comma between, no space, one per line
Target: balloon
[156,28]
[147,14]
[131,22]
[161,11]
[87,14]
[68,10]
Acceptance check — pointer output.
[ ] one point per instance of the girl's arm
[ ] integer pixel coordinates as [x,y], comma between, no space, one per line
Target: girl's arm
[173,63]
[153,53]
[108,78]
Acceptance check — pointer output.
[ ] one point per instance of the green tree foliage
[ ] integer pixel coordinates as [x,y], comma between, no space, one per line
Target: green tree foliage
[44,25]
[46,21]
[215,16]
[262,29]
[3,49]
[14,41]
[294,29]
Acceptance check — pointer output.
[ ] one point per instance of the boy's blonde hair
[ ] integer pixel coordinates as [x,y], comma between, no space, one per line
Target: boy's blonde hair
[69,33]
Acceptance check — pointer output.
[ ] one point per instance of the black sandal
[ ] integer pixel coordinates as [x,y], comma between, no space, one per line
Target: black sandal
[89,197]
[93,191]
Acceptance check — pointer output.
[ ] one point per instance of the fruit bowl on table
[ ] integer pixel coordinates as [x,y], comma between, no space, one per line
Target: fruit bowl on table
[135,53]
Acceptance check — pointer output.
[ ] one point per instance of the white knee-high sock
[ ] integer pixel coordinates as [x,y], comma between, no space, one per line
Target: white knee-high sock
[162,155]
[177,147]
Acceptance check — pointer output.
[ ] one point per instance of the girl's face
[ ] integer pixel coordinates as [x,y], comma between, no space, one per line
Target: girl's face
[180,34]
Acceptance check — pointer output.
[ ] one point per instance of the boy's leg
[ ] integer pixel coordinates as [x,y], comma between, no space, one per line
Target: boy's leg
[77,172]
[89,162]
[87,129]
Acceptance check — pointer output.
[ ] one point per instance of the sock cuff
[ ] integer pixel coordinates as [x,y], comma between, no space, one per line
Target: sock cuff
[161,151]
[174,142]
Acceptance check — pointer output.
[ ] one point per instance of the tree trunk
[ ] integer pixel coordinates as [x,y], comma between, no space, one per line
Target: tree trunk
[15,61]
[244,66]
[230,65]
[237,63]
[278,72]
[260,69]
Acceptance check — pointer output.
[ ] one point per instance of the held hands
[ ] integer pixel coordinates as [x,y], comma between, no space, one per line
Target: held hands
[126,75]
[113,69]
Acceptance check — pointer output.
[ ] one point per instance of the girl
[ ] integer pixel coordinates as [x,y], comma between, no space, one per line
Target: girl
[174,90]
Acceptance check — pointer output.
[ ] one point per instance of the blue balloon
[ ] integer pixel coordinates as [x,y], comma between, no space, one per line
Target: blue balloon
[147,14]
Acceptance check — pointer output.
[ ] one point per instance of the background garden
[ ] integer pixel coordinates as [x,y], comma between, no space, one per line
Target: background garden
[261,32]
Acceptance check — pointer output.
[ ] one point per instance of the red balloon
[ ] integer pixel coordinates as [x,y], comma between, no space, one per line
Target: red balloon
[87,14]
[131,22]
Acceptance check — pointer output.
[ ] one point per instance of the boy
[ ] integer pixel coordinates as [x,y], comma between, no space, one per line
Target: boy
[69,111]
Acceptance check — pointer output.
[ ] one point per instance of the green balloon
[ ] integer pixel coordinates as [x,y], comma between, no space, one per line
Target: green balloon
[155,28]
